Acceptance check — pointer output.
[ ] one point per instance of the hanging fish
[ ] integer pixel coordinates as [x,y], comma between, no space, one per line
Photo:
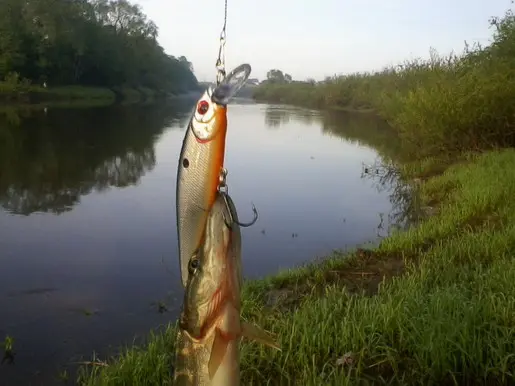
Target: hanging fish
[201,163]
[207,350]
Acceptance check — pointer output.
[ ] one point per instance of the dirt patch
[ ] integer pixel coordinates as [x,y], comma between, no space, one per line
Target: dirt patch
[491,221]
[438,166]
[370,270]
[433,171]
[360,273]
[440,193]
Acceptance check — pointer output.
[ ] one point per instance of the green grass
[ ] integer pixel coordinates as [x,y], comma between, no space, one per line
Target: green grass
[33,94]
[148,365]
[80,92]
[432,305]
[18,90]
[446,104]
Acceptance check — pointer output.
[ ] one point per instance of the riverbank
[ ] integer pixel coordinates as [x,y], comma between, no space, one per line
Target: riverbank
[432,304]
[21,94]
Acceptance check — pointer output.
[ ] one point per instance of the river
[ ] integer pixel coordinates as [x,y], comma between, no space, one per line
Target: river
[88,245]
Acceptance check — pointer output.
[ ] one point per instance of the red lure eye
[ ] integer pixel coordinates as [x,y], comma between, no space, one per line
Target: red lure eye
[202,107]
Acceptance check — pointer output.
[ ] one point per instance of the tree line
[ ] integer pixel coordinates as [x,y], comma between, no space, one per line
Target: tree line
[100,43]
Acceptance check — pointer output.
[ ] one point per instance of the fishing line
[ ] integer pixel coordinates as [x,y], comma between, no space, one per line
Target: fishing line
[220,62]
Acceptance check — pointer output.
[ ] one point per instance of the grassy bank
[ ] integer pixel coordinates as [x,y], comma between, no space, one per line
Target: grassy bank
[447,104]
[16,90]
[433,304]
[36,94]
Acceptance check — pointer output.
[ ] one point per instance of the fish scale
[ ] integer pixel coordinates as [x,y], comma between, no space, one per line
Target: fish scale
[197,185]
[210,327]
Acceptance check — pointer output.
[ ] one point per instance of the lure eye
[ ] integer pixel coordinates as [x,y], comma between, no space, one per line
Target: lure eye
[202,107]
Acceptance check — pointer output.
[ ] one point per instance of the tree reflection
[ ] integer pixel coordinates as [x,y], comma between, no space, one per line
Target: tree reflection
[369,130]
[404,196]
[49,158]
[364,129]
[276,116]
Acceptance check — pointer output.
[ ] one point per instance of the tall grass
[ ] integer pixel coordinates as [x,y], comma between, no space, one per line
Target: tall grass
[446,104]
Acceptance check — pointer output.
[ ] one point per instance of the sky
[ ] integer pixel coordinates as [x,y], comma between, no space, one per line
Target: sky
[318,38]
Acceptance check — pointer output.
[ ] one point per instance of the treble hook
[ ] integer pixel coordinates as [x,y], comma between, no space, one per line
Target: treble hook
[232,213]
[252,222]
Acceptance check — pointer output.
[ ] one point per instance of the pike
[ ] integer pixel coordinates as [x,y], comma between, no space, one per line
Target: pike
[210,328]
[201,162]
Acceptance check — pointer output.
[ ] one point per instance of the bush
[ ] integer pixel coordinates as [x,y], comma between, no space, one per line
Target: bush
[446,104]
[13,83]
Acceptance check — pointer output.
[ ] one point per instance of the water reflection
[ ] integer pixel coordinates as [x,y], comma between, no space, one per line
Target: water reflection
[279,115]
[49,158]
[404,196]
[370,130]
[275,116]
[363,129]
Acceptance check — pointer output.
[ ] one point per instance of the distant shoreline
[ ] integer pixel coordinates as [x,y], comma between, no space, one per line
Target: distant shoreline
[97,96]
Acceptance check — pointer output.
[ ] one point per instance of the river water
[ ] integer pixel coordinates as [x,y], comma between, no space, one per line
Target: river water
[88,245]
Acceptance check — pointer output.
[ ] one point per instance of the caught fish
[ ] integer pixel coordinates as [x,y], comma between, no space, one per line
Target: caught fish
[207,351]
[201,163]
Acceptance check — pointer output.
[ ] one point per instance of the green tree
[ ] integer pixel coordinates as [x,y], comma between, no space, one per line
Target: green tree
[87,42]
[277,76]
[187,64]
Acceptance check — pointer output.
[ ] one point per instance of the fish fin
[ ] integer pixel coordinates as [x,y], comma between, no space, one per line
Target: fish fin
[258,334]
[217,352]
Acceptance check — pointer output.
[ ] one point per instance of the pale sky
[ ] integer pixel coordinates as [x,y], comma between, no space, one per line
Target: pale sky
[318,38]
